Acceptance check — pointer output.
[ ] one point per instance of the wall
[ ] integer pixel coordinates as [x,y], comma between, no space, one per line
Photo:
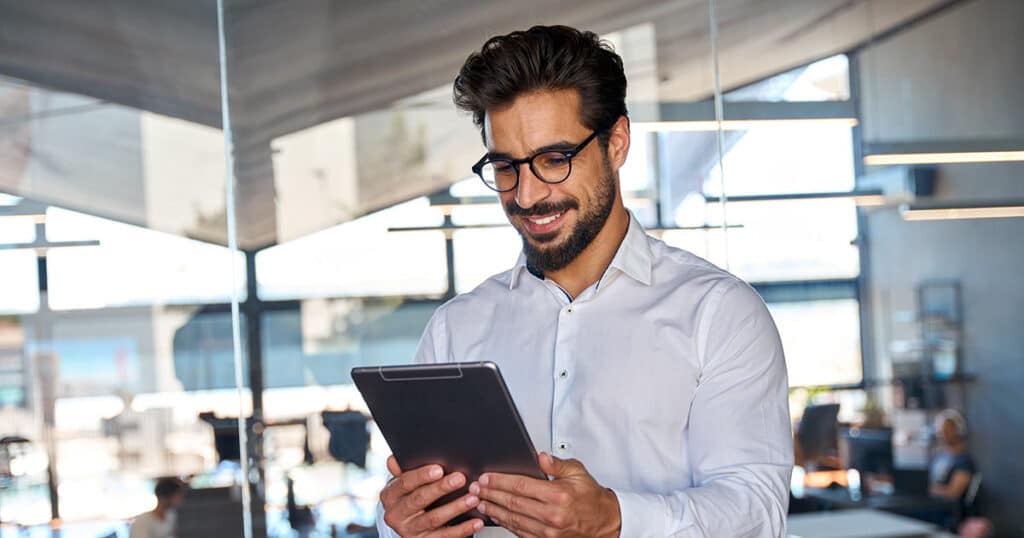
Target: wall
[959,76]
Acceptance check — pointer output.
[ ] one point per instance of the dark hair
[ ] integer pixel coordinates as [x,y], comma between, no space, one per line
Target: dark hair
[545,58]
[165,487]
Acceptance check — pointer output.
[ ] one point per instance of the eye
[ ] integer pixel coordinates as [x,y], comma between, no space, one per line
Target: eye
[553,160]
[502,168]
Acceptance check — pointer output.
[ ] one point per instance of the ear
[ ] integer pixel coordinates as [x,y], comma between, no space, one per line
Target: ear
[618,143]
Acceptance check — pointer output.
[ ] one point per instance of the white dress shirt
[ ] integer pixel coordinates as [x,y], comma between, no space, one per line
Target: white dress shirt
[666,379]
[148,525]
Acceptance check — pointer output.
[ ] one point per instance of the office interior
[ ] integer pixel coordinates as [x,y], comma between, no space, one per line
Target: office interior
[211,211]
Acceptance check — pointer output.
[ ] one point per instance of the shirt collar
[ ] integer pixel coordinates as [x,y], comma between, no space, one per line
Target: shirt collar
[519,268]
[633,257]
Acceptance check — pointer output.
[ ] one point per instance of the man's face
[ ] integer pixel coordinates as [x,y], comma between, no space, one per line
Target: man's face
[556,221]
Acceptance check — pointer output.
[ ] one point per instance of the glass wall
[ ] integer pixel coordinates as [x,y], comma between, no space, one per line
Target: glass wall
[113,265]
[858,168]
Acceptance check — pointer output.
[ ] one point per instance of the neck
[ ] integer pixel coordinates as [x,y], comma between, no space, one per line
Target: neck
[588,267]
[160,511]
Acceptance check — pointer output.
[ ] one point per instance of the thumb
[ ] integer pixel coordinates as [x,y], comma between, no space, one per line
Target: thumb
[393,467]
[559,468]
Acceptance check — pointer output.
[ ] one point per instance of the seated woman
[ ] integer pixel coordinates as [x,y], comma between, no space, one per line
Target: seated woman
[952,468]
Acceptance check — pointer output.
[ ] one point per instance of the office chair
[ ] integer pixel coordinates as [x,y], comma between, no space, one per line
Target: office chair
[818,437]
[971,495]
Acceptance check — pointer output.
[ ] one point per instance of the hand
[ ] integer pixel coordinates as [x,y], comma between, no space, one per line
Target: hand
[407,497]
[573,504]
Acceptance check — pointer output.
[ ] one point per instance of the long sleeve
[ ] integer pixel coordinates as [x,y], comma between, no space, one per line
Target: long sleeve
[739,433]
[426,353]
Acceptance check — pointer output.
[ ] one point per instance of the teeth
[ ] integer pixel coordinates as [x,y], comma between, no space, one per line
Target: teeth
[546,220]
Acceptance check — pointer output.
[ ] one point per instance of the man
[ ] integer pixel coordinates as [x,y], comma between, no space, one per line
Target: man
[162,521]
[652,382]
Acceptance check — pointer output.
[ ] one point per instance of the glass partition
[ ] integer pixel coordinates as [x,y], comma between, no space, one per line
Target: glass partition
[112,255]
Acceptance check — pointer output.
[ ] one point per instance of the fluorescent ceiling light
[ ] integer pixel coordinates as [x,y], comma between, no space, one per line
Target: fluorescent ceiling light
[734,125]
[869,200]
[918,212]
[944,151]
[944,158]
[39,218]
[864,198]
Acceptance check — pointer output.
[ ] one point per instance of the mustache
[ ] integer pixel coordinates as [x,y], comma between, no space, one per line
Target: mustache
[544,208]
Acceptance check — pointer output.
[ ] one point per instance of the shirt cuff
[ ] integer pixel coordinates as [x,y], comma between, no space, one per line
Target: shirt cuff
[641,514]
[383,530]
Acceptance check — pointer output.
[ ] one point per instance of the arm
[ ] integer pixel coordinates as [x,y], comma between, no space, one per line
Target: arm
[739,432]
[956,487]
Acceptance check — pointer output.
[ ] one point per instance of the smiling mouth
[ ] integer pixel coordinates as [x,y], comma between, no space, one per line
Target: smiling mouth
[545,220]
[544,224]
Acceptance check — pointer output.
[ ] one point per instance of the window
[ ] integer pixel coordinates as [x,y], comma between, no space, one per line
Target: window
[824,80]
[360,258]
[821,340]
[133,266]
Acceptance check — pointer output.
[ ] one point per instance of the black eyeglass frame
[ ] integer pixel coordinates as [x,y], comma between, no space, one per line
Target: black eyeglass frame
[517,163]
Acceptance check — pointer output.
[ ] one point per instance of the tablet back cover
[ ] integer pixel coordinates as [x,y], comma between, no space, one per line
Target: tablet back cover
[458,415]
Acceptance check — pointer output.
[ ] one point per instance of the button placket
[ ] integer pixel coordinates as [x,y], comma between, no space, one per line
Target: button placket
[562,416]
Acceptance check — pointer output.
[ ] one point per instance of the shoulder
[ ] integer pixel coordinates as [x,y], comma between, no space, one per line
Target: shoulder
[142,521]
[487,295]
[963,461]
[705,282]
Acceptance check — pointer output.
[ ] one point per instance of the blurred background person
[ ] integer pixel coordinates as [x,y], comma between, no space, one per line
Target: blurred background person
[952,468]
[161,522]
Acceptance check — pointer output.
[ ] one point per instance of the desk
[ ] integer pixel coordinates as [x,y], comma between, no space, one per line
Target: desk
[862,523]
[839,499]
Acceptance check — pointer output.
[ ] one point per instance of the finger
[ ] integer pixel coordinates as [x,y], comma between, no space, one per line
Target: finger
[517,523]
[393,467]
[462,530]
[408,482]
[524,486]
[532,508]
[438,517]
[426,495]
[559,468]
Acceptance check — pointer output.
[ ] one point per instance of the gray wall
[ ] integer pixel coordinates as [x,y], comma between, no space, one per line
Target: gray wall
[959,76]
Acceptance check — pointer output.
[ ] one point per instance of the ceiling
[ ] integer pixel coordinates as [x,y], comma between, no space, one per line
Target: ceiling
[294,67]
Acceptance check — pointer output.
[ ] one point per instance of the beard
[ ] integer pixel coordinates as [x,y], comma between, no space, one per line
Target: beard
[544,258]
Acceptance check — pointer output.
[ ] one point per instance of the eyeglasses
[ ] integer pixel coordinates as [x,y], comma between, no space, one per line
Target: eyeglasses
[550,166]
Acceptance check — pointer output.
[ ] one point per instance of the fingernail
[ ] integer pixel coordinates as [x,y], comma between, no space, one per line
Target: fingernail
[482,508]
[436,472]
[455,480]
[484,480]
[477,525]
[474,488]
[471,500]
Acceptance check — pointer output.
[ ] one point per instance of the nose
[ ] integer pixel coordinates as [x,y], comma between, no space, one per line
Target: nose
[530,189]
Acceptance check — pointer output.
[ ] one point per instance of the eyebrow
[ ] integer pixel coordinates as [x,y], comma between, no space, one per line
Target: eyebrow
[561,145]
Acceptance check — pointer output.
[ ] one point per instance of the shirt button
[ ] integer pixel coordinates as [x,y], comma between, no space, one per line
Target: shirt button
[568,310]
[563,374]
[563,446]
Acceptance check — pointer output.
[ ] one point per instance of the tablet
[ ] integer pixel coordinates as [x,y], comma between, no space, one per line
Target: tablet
[458,415]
